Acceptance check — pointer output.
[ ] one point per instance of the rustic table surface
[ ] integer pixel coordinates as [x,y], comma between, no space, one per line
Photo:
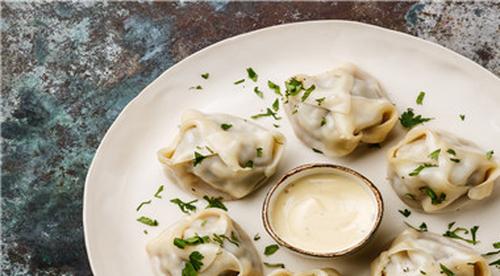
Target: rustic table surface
[69,68]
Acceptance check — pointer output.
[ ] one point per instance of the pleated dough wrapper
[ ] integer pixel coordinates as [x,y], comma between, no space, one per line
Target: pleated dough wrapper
[472,178]
[169,260]
[314,272]
[412,252]
[223,172]
[354,110]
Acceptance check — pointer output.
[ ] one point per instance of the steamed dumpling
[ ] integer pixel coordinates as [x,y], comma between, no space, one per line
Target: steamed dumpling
[431,169]
[335,111]
[422,253]
[225,249]
[314,272]
[222,155]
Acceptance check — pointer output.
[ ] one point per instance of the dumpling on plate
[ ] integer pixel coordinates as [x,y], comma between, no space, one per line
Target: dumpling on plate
[335,111]
[222,155]
[209,243]
[437,171]
[415,253]
[314,272]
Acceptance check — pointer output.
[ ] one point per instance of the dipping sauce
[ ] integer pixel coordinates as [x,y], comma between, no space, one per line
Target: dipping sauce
[324,212]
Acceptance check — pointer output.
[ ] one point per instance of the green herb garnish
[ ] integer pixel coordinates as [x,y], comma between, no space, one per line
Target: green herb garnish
[258,92]
[198,87]
[158,192]
[205,75]
[435,154]
[455,160]
[198,157]
[421,228]
[308,92]
[226,126]
[408,119]
[274,87]
[323,121]
[271,249]
[451,152]
[193,265]
[248,164]
[421,167]
[454,233]
[320,101]
[221,238]
[435,199]
[142,204]
[406,213]
[489,154]
[274,265]
[148,221]
[462,117]
[182,243]
[446,270]
[256,237]
[420,98]
[186,207]
[259,152]
[276,105]
[214,202]
[239,81]
[293,87]
[317,150]
[251,74]
[269,112]
[496,263]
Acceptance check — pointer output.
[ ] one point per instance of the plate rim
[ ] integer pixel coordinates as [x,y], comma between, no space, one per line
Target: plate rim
[105,138]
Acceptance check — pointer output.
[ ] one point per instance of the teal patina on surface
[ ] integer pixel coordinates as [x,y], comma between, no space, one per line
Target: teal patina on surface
[69,68]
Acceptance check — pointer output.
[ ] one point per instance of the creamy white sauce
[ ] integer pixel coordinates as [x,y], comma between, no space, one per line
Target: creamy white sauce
[324,212]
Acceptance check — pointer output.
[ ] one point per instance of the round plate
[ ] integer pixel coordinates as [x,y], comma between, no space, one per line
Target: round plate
[125,170]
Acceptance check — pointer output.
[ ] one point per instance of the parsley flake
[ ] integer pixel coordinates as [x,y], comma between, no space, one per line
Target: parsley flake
[308,92]
[214,202]
[226,126]
[451,152]
[268,113]
[320,101]
[455,233]
[251,74]
[276,105]
[323,121]
[435,154]
[142,204]
[239,81]
[406,213]
[421,228]
[148,221]
[158,192]
[186,207]
[271,249]
[198,87]
[420,98]
[256,237]
[205,75]
[259,152]
[489,154]
[276,88]
[446,270]
[274,265]
[194,240]
[198,157]
[258,92]
[421,167]
[317,150]
[435,199]
[293,87]
[462,117]
[408,119]
[248,164]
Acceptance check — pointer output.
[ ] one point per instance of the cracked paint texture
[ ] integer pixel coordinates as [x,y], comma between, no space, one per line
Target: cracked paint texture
[69,68]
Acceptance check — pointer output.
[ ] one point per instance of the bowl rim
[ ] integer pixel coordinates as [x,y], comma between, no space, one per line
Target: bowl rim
[347,251]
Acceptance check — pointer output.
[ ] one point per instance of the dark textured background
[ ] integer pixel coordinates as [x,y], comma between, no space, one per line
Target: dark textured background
[69,68]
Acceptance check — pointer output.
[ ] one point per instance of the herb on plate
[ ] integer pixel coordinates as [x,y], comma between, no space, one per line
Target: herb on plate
[409,119]
[435,154]
[446,270]
[158,192]
[420,98]
[435,199]
[271,249]
[489,154]
[455,233]
[194,240]
[198,157]
[259,152]
[214,202]
[142,204]
[194,264]
[258,92]
[421,228]
[421,167]
[251,74]
[226,126]
[205,75]
[148,221]
[406,213]
[239,81]
[274,265]
[269,113]
[276,105]
[186,207]
[276,88]
[462,117]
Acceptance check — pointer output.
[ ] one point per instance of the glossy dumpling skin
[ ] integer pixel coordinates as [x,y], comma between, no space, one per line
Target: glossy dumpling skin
[412,252]
[230,259]
[225,170]
[354,109]
[470,177]
[314,272]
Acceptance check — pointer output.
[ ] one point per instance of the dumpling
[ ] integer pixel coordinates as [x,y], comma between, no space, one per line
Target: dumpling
[437,171]
[314,272]
[415,253]
[208,242]
[335,111]
[222,155]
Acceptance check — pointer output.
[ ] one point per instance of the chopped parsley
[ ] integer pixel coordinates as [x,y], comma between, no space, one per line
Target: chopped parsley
[455,233]
[259,152]
[194,240]
[221,238]
[435,154]
[258,92]
[293,87]
[462,117]
[320,101]
[496,263]
[148,221]
[423,272]
[317,150]
[274,87]
[248,164]
[455,160]
[276,105]
[239,81]
[226,126]
[271,249]
[142,204]
[198,87]
[435,199]
[274,265]
[451,152]
[256,237]
[251,74]
[421,167]
[186,207]
[410,196]
[214,202]
[323,121]
[445,270]
[408,119]
[496,245]
[198,157]
[276,126]
[205,75]
[406,213]
[420,98]
[489,154]
[269,112]
[193,265]
[308,92]
[421,228]
[158,192]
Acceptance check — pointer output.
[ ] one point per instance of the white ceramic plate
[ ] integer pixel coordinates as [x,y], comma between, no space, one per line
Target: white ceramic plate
[125,170]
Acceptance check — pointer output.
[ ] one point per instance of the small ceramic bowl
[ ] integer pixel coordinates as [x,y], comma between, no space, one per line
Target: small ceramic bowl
[310,169]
